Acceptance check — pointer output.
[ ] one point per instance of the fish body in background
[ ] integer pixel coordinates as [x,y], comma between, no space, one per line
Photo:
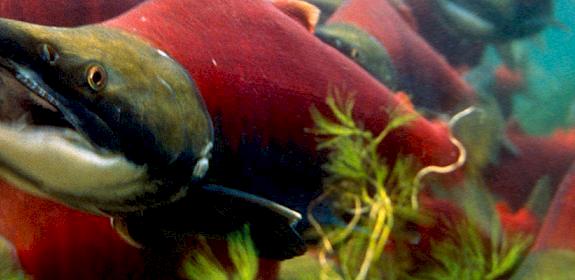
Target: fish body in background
[421,71]
[461,29]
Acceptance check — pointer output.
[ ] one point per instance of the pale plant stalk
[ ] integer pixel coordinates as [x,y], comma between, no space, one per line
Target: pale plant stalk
[372,207]
[459,162]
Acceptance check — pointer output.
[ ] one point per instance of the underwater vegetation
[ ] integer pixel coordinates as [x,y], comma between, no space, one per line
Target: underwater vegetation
[202,264]
[380,230]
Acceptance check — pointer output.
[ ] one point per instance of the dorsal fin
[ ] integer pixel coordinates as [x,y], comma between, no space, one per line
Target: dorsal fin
[303,12]
[404,99]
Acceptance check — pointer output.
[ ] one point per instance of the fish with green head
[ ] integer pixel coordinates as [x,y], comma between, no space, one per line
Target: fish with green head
[362,48]
[103,130]
[100,120]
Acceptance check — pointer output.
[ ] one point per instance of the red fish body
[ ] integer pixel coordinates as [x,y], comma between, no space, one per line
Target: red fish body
[56,242]
[554,248]
[64,12]
[422,71]
[559,223]
[514,176]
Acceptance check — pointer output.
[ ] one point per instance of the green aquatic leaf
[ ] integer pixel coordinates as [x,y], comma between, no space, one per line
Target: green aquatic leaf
[361,184]
[243,254]
[202,264]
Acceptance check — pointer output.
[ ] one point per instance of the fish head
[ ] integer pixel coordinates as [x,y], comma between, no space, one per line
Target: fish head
[495,20]
[98,118]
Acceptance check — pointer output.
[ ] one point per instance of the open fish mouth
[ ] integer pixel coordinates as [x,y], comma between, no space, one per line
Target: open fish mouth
[45,149]
[495,20]
[24,102]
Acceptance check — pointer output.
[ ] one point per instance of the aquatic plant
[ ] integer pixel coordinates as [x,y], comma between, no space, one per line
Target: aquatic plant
[367,193]
[377,201]
[485,244]
[203,264]
[464,255]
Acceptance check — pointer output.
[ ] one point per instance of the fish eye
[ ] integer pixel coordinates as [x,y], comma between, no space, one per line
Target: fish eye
[96,77]
[48,54]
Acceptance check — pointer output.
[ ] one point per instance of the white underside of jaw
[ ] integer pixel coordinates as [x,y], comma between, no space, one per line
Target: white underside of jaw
[45,161]
[465,20]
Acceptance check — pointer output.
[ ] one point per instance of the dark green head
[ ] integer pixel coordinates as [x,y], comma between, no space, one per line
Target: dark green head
[122,121]
[495,20]
[362,48]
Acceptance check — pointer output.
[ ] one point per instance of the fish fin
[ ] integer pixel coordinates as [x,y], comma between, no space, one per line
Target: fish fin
[405,12]
[509,147]
[121,227]
[214,210]
[513,54]
[251,200]
[10,267]
[303,12]
[272,224]
[404,98]
[540,197]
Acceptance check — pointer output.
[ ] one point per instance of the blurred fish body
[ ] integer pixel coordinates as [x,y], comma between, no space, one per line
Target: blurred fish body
[495,20]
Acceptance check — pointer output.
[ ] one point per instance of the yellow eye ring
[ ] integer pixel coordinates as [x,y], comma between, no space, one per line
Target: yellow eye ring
[97,77]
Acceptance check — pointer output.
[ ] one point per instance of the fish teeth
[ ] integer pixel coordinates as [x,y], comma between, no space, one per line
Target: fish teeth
[39,94]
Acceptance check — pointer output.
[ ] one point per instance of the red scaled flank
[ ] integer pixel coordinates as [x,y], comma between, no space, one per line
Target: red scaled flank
[55,242]
[64,12]
[260,73]
[559,225]
[422,71]
[514,176]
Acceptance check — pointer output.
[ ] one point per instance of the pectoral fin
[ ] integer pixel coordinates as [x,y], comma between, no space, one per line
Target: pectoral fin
[216,211]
